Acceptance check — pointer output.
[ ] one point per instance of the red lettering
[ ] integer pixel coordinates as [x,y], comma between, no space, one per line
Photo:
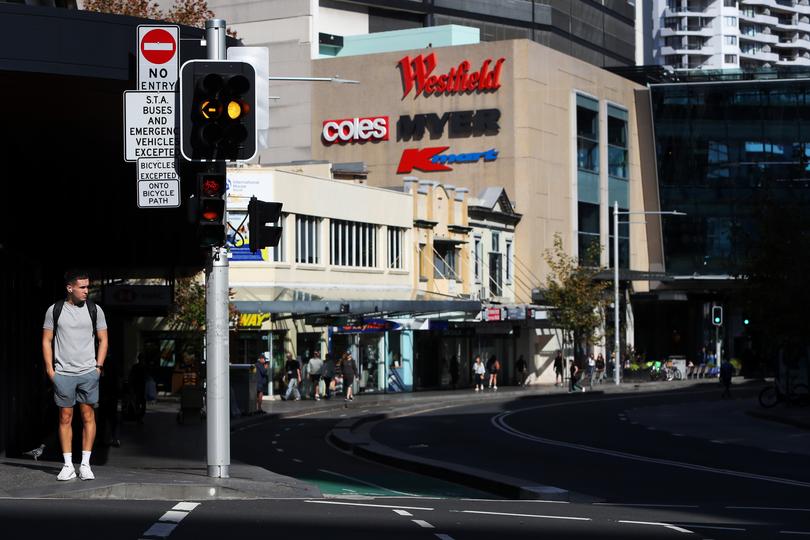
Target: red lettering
[417,74]
[420,159]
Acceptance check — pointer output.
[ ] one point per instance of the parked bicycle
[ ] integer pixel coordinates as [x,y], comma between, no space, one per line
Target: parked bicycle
[779,392]
[660,371]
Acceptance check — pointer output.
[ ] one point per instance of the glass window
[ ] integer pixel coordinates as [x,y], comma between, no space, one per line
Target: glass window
[307,239]
[731,21]
[478,259]
[731,40]
[396,250]
[587,134]
[355,244]
[508,257]
[444,261]
[731,59]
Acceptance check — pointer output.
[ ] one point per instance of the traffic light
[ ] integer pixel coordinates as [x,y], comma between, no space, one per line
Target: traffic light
[746,320]
[717,315]
[217,110]
[211,209]
[262,229]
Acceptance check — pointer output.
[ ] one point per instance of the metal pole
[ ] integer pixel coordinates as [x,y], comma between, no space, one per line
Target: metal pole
[215,39]
[270,351]
[218,420]
[617,341]
[717,346]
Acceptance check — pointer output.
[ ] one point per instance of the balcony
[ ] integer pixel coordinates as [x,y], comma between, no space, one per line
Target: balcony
[759,18]
[760,37]
[760,56]
[687,30]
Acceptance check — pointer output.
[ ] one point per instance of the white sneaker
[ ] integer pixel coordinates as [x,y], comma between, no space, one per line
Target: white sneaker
[85,473]
[495,387]
[476,389]
[68,472]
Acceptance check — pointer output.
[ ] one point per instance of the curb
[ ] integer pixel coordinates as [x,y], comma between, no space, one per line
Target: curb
[353,436]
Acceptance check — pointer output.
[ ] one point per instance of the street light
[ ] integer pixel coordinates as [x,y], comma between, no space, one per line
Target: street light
[617,368]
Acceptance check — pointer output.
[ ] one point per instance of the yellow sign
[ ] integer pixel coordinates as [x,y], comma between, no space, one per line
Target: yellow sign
[253,320]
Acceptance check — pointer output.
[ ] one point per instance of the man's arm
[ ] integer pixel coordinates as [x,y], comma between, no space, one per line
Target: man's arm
[102,346]
[299,373]
[47,351]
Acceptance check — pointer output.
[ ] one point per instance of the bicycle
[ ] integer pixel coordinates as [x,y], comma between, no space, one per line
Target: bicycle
[797,394]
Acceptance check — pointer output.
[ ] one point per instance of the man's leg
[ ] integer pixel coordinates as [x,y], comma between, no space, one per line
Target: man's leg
[66,429]
[89,422]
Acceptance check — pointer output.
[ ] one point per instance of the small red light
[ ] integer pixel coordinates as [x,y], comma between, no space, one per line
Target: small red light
[212,187]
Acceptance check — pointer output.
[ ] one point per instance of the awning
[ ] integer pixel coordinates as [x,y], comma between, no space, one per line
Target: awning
[345,300]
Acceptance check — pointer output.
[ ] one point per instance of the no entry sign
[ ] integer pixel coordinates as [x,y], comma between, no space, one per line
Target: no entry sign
[158,55]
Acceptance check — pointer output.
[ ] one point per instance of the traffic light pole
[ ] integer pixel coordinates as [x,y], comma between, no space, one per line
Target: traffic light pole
[218,420]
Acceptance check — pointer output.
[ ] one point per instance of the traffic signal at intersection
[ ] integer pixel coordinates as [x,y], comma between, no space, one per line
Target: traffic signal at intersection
[217,110]
[717,315]
[211,209]
[262,229]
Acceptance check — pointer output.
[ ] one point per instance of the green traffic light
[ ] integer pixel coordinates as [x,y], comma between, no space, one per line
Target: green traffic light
[746,321]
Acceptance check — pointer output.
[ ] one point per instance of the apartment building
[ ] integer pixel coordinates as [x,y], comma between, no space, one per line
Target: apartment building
[731,34]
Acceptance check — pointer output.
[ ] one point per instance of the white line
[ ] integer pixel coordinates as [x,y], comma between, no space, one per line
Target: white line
[570,518]
[423,523]
[402,512]
[521,502]
[353,479]
[768,508]
[281,450]
[803,533]
[157,46]
[657,524]
[649,505]
[173,516]
[161,530]
[712,527]
[185,506]
[369,505]
[297,460]
[273,442]
[499,422]
[444,536]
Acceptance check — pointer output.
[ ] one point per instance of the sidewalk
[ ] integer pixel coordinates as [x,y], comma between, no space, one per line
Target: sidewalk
[161,459]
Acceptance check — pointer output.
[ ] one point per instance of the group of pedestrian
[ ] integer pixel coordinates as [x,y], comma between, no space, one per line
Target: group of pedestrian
[486,373]
[322,377]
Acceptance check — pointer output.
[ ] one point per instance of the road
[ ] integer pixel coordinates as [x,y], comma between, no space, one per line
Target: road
[636,465]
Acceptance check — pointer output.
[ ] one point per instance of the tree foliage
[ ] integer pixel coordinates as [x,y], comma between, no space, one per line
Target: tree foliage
[187,313]
[186,12]
[576,297]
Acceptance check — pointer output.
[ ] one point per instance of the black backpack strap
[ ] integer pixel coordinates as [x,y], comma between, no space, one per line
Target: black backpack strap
[93,309]
[57,310]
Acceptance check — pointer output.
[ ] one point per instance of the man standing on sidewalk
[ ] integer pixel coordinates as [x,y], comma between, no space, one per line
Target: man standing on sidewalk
[262,380]
[69,334]
[315,367]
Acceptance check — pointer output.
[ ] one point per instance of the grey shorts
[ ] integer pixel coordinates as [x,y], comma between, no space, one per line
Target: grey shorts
[68,389]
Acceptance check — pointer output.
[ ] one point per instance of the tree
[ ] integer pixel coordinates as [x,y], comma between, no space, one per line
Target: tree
[576,297]
[185,12]
[187,313]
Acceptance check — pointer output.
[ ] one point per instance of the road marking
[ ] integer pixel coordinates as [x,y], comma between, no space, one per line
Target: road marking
[353,479]
[160,530]
[649,505]
[712,527]
[715,441]
[778,451]
[173,516]
[657,524]
[402,512]
[280,450]
[274,442]
[521,502]
[370,505]
[423,523]
[168,521]
[803,533]
[500,423]
[444,536]
[539,516]
[297,460]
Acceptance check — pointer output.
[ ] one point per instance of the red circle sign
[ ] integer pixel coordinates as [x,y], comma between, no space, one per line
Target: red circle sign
[158,46]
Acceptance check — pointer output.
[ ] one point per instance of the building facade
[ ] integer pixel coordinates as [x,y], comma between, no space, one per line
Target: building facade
[729,34]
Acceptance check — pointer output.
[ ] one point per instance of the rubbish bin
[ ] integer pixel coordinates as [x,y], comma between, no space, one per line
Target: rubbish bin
[243,384]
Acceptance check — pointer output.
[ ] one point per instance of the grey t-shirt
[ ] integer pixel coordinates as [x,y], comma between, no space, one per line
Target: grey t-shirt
[315,365]
[74,349]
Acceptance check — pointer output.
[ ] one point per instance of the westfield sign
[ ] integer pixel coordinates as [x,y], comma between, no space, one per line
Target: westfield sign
[417,73]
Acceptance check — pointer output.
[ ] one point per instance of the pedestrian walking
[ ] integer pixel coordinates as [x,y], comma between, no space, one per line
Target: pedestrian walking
[292,372]
[591,374]
[494,369]
[575,373]
[559,369]
[600,369]
[262,380]
[726,372]
[328,374]
[315,369]
[520,370]
[480,371]
[349,369]
[74,365]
